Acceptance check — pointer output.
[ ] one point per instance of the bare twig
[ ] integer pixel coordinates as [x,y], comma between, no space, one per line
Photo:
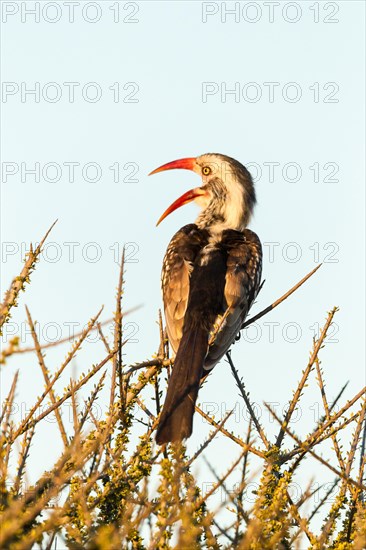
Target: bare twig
[74,336]
[29,421]
[24,425]
[327,414]
[46,377]
[18,283]
[117,344]
[22,459]
[7,405]
[280,300]
[297,394]
[240,385]
[305,447]
[313,438]
[236,440]
[212,435]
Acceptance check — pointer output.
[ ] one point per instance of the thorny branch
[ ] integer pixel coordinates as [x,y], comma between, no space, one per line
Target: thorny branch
[104,476]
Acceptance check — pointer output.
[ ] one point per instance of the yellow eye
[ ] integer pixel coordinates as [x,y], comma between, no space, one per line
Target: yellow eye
[206,170]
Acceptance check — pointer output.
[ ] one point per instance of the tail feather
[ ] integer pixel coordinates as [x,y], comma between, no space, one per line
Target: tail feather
[176,418]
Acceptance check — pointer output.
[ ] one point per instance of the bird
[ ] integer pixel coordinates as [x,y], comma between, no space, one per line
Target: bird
[211,276]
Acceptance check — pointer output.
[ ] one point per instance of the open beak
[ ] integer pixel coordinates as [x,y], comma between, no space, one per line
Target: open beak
[186,164]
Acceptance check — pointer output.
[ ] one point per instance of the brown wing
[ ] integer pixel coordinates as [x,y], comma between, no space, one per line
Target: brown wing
[177,267]
[242,281]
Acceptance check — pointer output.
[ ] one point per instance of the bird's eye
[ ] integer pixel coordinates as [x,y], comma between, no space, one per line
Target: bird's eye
[206,170]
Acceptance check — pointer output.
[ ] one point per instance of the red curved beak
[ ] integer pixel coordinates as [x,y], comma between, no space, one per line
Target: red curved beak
[186,164]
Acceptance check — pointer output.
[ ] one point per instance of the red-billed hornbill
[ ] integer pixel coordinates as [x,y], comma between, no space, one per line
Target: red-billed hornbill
[210,278]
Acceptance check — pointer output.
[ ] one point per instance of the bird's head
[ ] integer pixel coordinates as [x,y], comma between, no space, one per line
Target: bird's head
[226,195]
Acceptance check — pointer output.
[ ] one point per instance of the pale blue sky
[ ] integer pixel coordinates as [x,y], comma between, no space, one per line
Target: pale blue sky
[169,54]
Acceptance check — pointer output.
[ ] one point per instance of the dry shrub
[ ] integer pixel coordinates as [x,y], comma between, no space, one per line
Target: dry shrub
[114,490]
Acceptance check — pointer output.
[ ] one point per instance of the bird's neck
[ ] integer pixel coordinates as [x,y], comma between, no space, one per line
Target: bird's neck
[216,221]
[226,210]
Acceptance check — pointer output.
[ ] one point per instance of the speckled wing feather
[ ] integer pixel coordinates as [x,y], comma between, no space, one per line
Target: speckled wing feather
[177,267]
[242,282]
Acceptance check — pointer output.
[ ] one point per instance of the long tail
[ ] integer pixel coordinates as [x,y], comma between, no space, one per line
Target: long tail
[176,418]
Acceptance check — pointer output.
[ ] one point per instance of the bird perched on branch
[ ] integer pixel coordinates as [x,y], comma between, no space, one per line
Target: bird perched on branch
[210,278]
